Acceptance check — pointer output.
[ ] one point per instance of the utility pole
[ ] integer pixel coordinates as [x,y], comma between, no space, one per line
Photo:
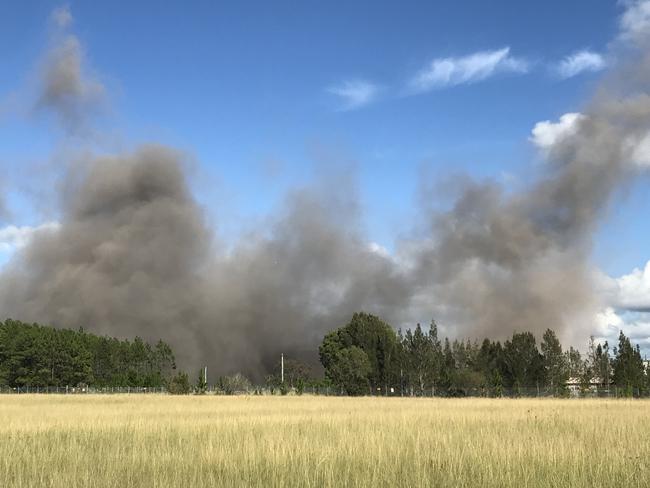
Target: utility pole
[282,367]
[205,375]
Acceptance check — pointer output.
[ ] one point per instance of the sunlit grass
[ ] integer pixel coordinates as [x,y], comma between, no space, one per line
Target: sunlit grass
[163,441]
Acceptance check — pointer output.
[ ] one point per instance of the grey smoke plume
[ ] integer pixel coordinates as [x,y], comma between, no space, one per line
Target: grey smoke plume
[125,258]
[133,254]
[4,208]
[521,261]
[69,92]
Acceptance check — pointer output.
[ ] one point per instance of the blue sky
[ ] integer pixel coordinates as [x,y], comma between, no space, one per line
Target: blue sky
[250,91]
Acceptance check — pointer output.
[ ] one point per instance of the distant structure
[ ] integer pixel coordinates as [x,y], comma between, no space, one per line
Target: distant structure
[576,386]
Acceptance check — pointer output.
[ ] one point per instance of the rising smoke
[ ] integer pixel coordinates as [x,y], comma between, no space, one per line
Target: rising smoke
[133,254]
[69,92]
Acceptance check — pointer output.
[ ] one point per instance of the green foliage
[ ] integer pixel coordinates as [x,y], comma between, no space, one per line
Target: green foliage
[300,386]
[601,363]
[179,384]
[272,382]
[523,362]
[376,339]
[350,370]
[629,373]
[201,383]
[418,363]
[35,355]
[556,367]
[489,360]
[421,359]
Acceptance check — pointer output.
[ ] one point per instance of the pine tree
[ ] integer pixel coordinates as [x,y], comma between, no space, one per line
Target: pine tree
[201,383]
[629,374]
[556,371]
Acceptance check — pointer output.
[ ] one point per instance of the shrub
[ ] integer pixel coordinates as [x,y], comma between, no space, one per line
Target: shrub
[179,384]
[237,383]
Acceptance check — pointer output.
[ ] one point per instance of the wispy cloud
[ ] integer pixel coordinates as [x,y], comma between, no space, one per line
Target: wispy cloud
[579,62]
[355,93]
[444,72]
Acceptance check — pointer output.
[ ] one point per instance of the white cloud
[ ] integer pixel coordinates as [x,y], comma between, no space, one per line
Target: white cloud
[355,93]
[609,323]
[546,134]
[443,72]
[634,289]
[13,237]
[634,24]
[625,306]
[579,62]
[629,292]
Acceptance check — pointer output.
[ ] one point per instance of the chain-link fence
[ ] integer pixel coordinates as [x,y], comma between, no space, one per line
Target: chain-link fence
[81,390]
[489,392]
[570,391]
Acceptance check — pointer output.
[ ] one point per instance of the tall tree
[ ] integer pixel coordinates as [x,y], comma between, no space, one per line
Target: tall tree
[376,339]
[490,364]
[602,365]
[350,370]
[418,349]
[523,362]
[556,371]
[448,369]
[629,373]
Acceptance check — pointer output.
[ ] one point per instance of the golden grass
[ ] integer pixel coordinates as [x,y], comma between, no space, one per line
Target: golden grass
[162,441]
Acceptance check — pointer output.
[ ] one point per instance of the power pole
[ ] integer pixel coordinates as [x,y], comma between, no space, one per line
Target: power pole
[282,367]
[205,376]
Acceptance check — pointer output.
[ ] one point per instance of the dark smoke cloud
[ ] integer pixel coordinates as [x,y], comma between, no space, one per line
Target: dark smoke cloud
[133,254]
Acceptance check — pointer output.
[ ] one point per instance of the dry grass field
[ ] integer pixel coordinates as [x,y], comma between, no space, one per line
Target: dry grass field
[163,441]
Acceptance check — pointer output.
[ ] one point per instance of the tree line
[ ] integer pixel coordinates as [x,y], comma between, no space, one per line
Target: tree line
[34,355]
[367,356]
